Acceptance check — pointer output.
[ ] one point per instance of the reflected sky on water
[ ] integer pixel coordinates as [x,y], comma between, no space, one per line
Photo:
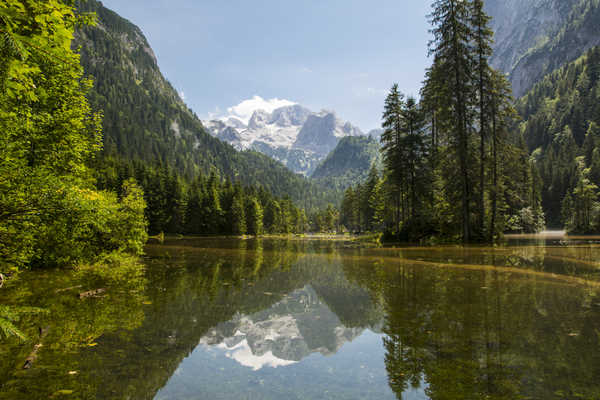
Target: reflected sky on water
[307,319]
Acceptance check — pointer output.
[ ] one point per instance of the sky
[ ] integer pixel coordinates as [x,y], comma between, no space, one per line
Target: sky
[232,56]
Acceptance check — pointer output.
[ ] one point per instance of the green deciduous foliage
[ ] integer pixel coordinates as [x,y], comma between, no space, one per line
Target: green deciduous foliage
[50,212]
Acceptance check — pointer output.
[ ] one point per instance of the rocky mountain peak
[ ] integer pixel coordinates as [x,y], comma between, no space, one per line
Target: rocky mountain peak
[235,123]
[259,120]
[322,131]
[292,134]
[294,115]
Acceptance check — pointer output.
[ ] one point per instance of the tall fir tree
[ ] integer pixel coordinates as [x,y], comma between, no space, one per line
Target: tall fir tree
[452,47]
[482,38]
[391,140]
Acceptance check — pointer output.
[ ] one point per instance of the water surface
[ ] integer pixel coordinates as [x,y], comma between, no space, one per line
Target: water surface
[301,319]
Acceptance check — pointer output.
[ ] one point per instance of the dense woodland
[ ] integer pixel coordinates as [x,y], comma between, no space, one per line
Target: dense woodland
[454,167]
[205,206]
[562,130]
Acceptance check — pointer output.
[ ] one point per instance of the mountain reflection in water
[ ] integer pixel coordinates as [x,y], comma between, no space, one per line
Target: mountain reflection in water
[271,319]
[279,335]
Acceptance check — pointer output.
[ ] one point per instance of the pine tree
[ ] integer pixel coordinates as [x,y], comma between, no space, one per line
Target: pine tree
[415,152]
[212,213]
[567,212]
[193,212]
[501,114]
[272,218]
[391,140]
[453,53]
[377,204]
[238,215]
[483,37]
[585,199]
[254,217]
[369,187]
[347,213]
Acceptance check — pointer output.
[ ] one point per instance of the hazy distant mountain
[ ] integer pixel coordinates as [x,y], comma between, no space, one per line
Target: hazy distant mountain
[534,37]
[294,135]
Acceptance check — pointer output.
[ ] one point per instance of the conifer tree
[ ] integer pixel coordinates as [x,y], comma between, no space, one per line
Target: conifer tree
[483,37]
[211,207]
[254,217]
[367,206]
[238,215]
[414,152]
[453,53]
[377,204]
[391,140]
[567,212]
[193,211]
[347,214]
[501,114]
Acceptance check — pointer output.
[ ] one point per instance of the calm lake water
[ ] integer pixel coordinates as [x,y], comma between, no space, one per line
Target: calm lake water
[309,319]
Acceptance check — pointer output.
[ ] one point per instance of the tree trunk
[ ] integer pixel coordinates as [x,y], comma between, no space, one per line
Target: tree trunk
[463,145]
[482,126]
[494,173]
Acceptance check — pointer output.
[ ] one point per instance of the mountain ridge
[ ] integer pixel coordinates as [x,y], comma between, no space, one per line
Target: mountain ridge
[146,120]
[293,135]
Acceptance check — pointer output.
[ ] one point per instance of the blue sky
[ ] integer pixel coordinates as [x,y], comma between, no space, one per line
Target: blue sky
[340,55]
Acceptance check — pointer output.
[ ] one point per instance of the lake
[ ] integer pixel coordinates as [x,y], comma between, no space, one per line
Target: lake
[315,319]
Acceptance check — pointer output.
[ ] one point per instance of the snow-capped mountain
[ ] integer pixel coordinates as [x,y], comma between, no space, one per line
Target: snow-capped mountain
[292,134]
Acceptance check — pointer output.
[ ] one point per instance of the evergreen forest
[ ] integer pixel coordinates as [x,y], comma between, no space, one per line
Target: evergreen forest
[455,166]
[561,126]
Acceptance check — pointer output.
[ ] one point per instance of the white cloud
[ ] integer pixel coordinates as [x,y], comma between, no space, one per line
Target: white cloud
[246,108]
[182,95]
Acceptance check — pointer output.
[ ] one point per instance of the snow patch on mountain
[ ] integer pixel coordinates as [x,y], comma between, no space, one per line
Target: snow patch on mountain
[283,130]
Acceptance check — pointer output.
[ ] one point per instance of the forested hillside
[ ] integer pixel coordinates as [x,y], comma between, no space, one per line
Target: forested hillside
[561,126]
[144,118]
[349,162]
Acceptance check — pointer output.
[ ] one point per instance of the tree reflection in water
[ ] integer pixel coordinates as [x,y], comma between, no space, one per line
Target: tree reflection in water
[496,323]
